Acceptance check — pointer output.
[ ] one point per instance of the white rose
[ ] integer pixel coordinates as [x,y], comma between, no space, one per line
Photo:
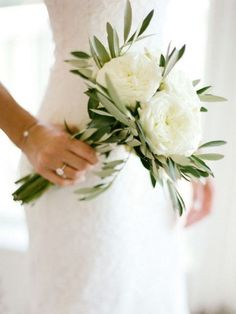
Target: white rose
[135,76]
[178,84]
[172,127]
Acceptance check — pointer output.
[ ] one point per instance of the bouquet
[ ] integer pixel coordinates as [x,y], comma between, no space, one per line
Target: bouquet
[140,100]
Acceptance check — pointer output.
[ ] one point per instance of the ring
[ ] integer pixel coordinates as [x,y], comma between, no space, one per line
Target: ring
[60,171]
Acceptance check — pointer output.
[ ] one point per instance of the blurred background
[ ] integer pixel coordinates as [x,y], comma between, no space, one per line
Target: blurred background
[208,29]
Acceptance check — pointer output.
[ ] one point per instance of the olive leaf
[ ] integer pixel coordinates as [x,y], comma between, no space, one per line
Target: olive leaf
[114,95]
[101,50]
[210,156]
[211,98]
[112,109]
[94,55]
[203,90]
[80,54]
[127,20]
[196,82]
[113,41]
[213,143]
[172,58]
[143,26]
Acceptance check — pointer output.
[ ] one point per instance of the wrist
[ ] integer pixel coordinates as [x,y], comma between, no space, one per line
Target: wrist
[26,134]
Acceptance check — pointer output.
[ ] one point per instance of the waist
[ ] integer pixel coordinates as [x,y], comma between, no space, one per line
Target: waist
[64,98]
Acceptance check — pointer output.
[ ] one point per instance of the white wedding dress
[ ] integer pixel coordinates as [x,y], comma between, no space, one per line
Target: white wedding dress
[118,253]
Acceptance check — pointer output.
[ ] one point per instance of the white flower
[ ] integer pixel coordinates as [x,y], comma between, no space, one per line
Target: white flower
[171,126]
[178,84]
[135,76]
[153,54]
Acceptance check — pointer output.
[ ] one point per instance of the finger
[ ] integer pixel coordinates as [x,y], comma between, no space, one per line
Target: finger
[73,128]
[74,161]
[205,198]
[54,178]
[83,150]
[71,173]
[208,197]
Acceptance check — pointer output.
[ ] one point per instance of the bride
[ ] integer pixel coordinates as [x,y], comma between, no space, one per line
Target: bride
[118,253]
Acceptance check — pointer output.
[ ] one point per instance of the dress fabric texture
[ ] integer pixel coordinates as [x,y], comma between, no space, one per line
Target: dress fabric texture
[118,253]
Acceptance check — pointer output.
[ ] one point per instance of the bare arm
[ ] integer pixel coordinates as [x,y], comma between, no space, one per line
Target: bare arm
[47,147]
[14,120]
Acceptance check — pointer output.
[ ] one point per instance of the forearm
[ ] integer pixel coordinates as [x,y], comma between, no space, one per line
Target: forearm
[14,120]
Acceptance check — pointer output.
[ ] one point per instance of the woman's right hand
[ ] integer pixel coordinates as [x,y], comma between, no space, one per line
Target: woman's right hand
[49,147]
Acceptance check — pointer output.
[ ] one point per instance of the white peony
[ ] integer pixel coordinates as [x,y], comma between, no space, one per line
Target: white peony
[135,76]
[179,85]
[171,126]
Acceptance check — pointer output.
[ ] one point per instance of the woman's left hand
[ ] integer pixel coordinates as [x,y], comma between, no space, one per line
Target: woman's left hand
[201,202]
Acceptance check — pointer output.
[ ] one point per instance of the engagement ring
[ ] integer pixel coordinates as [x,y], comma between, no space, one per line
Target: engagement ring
[60,171]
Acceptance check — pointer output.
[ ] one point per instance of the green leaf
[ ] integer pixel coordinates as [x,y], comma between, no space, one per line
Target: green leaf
[101,112]
[23,179]
[191,170]
[93,104]
[181,52]
[87,190]
[200,164]
[202,90]
[68,130]
[210,156]
[127,20]
[114,95]
[79,63]
[181,160]
[134,38]
[172,59]
[96,137]
[153,180]
[171,169]
[114,163]
[144,26]
[113,41]
[80,54]
[138,39]
[154,169]
[196,82]
[95,191]
[94,55]
[100,121]
[105,173]
[104,148]
[78,72]
[87,73]
[111,108]
[213,143]
[176,198]
[162,61]
[87,133]
[101,50]
[203,109]
[134,143]
[211,98]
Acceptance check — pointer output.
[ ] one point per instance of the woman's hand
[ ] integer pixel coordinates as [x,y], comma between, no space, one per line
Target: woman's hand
[49,147]
[201,202]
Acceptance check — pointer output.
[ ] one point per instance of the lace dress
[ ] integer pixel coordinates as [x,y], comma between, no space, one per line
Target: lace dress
[118,253]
